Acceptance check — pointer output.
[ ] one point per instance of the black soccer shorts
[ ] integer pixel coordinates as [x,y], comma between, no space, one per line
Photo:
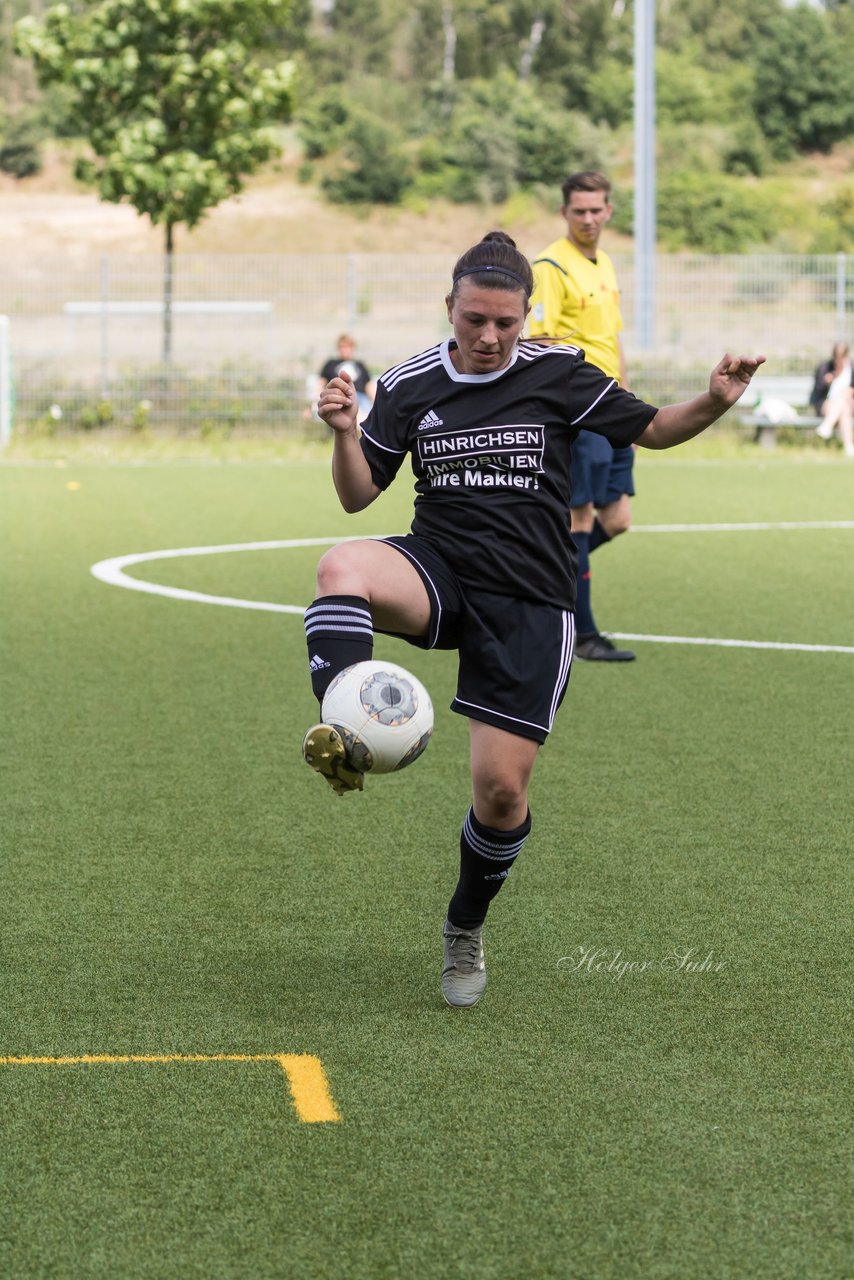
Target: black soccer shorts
[514,655]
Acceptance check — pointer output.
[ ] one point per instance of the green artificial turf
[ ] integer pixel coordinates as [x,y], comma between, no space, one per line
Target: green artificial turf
[176,882]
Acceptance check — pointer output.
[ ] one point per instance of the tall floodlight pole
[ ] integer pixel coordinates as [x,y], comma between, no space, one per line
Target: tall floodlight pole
[644,214]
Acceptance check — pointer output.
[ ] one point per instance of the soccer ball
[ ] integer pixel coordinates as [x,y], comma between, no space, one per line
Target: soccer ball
[383,713]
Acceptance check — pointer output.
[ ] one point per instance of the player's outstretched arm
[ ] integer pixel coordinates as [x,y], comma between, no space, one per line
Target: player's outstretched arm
[338,406]
[676,423]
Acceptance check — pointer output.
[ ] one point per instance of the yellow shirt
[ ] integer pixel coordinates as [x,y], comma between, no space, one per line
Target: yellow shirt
[578,300]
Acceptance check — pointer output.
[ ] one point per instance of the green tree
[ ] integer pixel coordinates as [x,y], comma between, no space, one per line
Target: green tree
[805,80]
[370,166]
[538,142]
[579,39]
[610,93]
[714,212]
[367,29]
[552,42]
[726,30]
[356,153]
[835,233]
[170,99]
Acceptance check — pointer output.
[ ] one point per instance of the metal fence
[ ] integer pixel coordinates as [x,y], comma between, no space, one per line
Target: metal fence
[250,330]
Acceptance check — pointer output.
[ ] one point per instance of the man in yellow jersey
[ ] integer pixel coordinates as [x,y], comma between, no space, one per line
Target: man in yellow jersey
[576,300]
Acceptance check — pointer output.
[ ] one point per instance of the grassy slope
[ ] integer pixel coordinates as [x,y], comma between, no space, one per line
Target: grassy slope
[276,214]
[175,881]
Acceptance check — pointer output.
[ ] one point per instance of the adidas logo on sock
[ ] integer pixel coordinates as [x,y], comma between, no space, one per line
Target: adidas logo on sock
[317,663]
[429,420]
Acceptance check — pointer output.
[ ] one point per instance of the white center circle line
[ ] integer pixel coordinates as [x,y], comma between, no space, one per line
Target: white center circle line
[112,572]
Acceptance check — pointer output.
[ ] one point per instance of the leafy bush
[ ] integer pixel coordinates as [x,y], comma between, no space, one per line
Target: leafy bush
[545,138]
[709,211]
[362,156]
[746,150]
[21,159]
[610,93]
[231,394]
[476,164]
[684,91]
[98,414]
[370,166]
[719,215]
[804,97]
[538,143]
[835,230]
[321,123]
[19,150]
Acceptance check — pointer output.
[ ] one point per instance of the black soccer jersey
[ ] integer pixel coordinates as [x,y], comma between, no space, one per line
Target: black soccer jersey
[490,454]
[358,371]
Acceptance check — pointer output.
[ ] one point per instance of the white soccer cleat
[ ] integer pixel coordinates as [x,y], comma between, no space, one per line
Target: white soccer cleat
[464,974]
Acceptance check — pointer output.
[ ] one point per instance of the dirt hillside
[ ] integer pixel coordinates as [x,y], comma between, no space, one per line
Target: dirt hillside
[50,213]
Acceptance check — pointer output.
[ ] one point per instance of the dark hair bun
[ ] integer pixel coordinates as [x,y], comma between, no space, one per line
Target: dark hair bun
[498,237]
[494,263]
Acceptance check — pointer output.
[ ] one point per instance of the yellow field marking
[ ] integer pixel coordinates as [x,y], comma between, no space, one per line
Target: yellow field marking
[303,1071]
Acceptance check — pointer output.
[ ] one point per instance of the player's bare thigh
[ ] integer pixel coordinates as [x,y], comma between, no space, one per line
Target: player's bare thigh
[614,517]
[581,518]
[501,766]
[384,577]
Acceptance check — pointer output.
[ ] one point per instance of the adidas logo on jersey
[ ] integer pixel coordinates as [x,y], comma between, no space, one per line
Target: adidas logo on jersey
[429,420]
[317,663]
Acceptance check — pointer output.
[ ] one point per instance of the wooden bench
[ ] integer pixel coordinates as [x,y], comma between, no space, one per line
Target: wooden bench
[779,400]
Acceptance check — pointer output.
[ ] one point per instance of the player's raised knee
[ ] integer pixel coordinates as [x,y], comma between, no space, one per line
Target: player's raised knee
[339,571]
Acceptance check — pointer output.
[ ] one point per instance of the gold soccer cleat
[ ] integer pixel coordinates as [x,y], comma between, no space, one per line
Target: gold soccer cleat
[324,751]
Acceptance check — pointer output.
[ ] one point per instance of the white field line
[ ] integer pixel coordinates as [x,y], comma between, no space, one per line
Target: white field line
[112,572]
[755,527]
[735,644]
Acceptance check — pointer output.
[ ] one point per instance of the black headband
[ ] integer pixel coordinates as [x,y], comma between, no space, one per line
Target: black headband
[475,271]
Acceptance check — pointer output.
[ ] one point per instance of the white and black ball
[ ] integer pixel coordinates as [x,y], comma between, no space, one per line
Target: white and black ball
[383,713]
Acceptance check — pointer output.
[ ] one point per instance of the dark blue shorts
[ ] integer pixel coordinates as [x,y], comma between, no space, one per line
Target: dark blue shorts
[599,473]
[514,655]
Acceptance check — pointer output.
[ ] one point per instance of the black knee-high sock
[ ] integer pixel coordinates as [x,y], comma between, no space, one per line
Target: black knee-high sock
[486,856]
[340,632]
[584,622]
[598,535]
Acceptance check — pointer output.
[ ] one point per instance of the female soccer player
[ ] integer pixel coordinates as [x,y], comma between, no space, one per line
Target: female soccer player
[488,568]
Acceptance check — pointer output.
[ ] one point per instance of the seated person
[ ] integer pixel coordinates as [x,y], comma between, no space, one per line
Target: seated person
[836,406]
[823,377]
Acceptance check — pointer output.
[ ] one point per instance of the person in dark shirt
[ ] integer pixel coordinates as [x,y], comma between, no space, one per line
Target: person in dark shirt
[487,421]
[345,361]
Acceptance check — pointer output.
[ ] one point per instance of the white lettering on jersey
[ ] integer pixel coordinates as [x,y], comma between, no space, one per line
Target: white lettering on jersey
[487,480]
[485,455]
